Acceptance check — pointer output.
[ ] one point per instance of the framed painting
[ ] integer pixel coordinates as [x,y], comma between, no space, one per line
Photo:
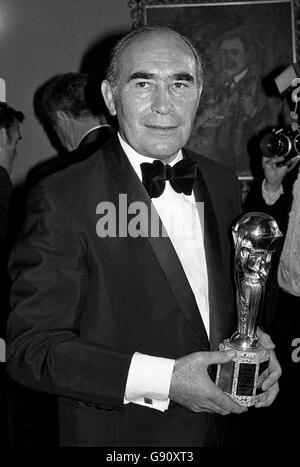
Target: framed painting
[243,46]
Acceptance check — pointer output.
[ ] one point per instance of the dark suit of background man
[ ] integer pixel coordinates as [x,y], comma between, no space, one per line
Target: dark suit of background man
[10,136]
[122,327]
[72,111]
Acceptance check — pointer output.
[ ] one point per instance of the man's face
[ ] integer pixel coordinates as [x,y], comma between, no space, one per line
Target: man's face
[232,56]
[157,95]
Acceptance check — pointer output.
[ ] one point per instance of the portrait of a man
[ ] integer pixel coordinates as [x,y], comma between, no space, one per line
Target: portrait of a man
[243,44]
[237,108]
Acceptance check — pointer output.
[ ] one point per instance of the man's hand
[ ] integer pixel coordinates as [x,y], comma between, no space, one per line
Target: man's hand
[192,387]
[273,174]
[269,378]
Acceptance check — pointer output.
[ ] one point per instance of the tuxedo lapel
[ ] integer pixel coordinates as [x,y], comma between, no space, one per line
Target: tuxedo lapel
[127,182]
[213,256]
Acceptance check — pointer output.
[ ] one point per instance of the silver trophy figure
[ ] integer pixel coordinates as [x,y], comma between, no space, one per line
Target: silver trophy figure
[254,238]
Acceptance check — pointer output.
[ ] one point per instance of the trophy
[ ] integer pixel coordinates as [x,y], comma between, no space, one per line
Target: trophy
[254,237]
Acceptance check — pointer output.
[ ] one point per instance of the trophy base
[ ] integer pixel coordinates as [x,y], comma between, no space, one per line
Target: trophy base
[239,377]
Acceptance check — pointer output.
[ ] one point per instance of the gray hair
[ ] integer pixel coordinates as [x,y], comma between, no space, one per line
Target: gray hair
[113,71]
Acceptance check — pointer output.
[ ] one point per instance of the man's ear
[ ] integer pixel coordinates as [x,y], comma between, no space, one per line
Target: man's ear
[62,118]
[3,138]
[108,97]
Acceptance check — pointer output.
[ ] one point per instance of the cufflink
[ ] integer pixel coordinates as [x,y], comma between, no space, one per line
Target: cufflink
[147,400]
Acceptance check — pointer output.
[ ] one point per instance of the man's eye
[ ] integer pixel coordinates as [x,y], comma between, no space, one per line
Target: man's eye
[179,85]
[142,84]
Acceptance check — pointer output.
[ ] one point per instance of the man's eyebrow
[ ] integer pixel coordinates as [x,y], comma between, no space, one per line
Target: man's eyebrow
[176,76]
[140,75]
[183,77]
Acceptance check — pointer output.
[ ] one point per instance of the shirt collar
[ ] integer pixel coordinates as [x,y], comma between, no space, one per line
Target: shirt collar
[89,131]
[137,159]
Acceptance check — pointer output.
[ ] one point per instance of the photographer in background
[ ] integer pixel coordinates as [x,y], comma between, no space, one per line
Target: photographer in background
[279,196]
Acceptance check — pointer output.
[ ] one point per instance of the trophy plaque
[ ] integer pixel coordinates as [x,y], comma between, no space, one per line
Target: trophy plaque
[254,235]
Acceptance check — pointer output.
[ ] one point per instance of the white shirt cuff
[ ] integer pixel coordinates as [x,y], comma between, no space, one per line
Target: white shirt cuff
[269,197]
[148,381]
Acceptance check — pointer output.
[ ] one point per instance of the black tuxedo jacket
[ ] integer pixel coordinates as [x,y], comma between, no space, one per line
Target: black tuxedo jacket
[82,305]
[93,141]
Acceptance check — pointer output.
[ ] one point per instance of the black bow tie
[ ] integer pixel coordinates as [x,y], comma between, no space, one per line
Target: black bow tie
[181,176]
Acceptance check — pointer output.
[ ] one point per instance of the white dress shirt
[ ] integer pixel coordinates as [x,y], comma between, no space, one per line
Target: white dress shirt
[149,378]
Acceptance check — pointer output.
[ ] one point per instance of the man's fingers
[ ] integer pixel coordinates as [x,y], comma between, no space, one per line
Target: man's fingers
[228,405]
[274,372]
[270,396]
[223,403]
[262,377]
[220,356]
[265,340]
[270,160]
[270,383]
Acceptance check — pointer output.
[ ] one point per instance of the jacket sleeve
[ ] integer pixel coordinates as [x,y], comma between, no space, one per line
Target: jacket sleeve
[50,282]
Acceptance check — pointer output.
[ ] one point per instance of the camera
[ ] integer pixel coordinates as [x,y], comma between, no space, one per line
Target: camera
[285,142]
[281,142]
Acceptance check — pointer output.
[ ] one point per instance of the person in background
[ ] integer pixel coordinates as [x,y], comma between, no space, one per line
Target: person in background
[70,108]
[124,323]
[279,196]
[10,136]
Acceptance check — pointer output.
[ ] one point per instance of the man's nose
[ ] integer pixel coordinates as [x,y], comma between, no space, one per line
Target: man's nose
[162,101]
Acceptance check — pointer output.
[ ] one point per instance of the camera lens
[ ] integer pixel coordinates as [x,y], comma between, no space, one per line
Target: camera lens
[297,143]
[275,145]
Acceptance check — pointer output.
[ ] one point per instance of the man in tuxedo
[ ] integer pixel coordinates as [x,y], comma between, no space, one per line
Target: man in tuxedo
[114,308]
[70,108]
